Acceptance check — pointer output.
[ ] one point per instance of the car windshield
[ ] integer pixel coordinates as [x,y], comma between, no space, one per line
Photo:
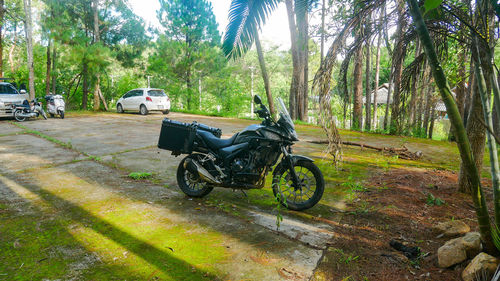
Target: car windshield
[284,113]
[6,89]
[156,93]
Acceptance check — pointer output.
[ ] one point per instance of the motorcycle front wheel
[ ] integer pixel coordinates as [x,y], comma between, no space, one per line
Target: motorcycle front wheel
[191,184]
[17,115]
[307,194]
[61,113]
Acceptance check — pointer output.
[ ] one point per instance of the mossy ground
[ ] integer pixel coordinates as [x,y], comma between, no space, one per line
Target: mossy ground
[47,233]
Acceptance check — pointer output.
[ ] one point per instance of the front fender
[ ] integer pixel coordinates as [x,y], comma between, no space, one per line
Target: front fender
[296,158]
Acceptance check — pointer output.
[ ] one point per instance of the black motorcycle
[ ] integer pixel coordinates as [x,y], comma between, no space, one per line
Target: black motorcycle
[243,161]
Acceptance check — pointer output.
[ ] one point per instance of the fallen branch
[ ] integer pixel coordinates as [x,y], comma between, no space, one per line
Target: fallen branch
[402,152]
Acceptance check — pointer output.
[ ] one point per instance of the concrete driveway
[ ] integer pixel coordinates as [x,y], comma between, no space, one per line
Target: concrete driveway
[74,172]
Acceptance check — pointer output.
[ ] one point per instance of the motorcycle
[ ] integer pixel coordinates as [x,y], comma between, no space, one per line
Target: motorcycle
[55,105]
[26,110]
[244,160]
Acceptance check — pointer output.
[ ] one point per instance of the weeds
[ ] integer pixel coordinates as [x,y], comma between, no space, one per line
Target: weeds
[434,201]
[344,258]
[140,176]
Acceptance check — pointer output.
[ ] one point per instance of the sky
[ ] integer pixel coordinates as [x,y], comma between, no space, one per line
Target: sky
[275,31]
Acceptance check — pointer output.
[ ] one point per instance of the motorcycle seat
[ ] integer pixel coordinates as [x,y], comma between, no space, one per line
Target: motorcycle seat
[214,142]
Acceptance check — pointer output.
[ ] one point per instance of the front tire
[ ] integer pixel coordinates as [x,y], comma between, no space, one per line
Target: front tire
[312,185]
[17,115]
[143,110]
[191,184]
[61,114]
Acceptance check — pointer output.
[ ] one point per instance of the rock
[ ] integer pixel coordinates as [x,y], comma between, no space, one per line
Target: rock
[452,252]
[452,228]
[481,264]
[472,244]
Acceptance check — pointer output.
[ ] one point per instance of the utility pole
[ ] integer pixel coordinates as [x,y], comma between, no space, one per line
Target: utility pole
[251,92]
[199,88]
[149,76]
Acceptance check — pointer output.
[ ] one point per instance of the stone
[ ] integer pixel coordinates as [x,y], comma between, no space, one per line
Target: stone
[472,244]
[451,253]
[481,264]
[452,228]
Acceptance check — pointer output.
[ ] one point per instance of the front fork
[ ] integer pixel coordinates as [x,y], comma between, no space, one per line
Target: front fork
[287,159]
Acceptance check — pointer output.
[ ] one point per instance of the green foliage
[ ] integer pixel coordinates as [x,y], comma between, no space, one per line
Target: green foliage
[433,201]
[140,175]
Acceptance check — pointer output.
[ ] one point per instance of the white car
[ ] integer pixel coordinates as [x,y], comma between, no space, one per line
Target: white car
[144,100]
[8,97]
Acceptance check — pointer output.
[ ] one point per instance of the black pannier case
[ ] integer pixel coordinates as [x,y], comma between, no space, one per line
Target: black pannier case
[177,136]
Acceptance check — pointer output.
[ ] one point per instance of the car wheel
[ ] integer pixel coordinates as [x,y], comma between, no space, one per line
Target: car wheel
[143,110]
[166,111]
[119,108]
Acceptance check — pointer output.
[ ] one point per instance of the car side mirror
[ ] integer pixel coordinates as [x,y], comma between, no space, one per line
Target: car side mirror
[22,92]
[257,99]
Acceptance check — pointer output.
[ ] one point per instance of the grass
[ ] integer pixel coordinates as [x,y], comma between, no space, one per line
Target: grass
[140,175]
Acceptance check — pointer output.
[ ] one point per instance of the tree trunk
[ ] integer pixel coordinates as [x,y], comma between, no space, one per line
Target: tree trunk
[377,75]
[368,87]
[492,146]
[29,47]
[85,85]
[357,112]
[433,118]
[323,11]
[298,24]
[54,76]
[397,61]
[47,76]
[388,100]
[413,98]
[97,89]
[462,140]
[428,105]
[2,17]
[265,76]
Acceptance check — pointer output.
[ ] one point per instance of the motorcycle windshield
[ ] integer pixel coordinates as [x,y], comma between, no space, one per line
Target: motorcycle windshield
[286,119]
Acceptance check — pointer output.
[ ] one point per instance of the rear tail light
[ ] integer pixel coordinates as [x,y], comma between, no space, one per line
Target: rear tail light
[149,99]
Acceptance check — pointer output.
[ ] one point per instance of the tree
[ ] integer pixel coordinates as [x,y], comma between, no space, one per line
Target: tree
[29,47]
[456,121]
[192,23]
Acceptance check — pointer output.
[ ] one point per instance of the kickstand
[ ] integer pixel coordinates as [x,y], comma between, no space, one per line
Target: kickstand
[244,193]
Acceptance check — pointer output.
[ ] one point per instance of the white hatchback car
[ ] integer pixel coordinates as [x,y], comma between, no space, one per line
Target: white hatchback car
[144,100]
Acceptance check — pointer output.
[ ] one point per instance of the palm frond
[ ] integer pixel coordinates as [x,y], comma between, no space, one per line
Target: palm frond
[245,17]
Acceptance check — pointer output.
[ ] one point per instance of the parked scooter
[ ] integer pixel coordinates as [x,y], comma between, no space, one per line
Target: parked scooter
[55,105]
[26,110]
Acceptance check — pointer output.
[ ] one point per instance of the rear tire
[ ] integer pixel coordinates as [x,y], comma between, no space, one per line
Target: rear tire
[309,176]
[143,110]
[119,108]
[191,184]
[17,116]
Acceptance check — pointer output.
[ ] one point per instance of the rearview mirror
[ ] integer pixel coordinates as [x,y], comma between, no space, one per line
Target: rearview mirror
[22,92]
[257,99]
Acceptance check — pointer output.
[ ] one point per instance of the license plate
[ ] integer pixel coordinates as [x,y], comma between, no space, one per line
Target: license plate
[160,107]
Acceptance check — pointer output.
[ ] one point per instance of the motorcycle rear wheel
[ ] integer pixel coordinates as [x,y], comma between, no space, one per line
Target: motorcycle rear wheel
[312,186]
[191,184]
[17,115]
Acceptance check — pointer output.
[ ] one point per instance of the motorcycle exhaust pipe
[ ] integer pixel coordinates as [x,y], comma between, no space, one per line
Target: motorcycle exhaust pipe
[194,168]
[28,115]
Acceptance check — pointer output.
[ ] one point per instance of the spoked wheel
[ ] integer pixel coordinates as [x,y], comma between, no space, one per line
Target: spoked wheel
[189,183]
[309,190]
[17,115]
